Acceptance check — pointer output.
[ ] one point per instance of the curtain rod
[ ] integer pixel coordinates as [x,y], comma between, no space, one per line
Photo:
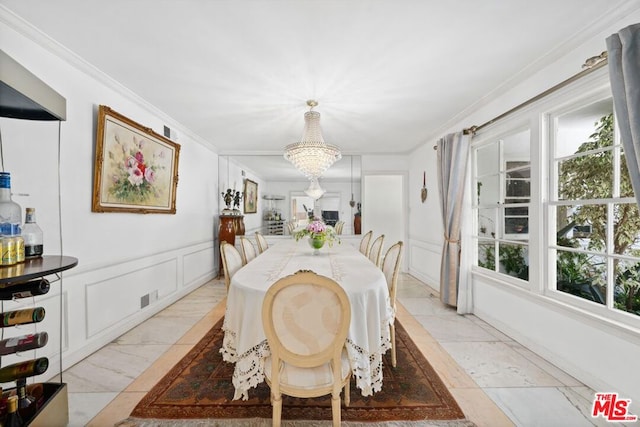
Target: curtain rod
[590,65]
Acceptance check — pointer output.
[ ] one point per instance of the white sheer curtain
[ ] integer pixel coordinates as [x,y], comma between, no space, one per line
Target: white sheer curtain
[623,49]
[453,154]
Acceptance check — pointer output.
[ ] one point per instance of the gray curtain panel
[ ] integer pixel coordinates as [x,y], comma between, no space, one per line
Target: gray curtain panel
[453,152]
[623,50]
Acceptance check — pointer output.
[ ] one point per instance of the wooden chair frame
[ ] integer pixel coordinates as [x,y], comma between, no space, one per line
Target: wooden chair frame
[365,243]
[330,355]
[224,246]
[262,242]
[392,284]
[375,251]
[248,250]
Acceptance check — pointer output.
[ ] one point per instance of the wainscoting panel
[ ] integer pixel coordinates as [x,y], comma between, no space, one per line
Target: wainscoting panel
[115,298]
[424,261]
[197,264]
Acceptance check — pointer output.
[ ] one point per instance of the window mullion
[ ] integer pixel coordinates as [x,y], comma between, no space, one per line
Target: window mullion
[610,251]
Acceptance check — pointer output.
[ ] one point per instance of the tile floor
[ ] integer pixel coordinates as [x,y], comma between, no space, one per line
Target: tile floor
[496,381]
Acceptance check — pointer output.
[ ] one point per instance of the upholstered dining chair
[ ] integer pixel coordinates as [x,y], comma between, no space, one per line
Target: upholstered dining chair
[339,227]
[262,242]
[364,243]
[291,226]
[231,261]
[391,269]
[306,319]
[376,250]
[248,250]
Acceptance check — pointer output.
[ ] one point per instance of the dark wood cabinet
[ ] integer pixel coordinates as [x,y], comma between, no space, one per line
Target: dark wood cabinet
[226,233]
[238,225]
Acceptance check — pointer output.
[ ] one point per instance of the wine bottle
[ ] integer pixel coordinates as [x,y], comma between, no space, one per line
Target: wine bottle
[22,317]
[31,288]
[26,402]
[10,211]
[13,418]
[37,391]
[32,234]
[23,343]
[24,369]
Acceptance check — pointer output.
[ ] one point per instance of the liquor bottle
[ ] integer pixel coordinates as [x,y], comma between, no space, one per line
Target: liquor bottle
[3,405]
[32,234]
[37,391]
[26,402]
[10,211]
[24,369]
[23,343]
[13,418]
[22,317]
[31,288]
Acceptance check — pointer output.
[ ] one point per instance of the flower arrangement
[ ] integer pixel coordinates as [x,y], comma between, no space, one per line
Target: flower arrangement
[318,230]
[134,175]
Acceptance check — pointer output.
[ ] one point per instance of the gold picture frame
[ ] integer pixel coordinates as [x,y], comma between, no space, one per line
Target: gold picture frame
[135,170]
[250,196]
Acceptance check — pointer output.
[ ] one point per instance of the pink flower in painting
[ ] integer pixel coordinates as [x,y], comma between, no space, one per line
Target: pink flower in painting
[131,162]
[149,175]
[136,172]
[135,176]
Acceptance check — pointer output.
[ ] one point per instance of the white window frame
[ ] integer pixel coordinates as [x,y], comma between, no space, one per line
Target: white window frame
[606,310]
[511,128]
[542,279]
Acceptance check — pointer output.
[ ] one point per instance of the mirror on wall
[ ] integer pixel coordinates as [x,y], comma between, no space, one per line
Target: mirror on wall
[281,196]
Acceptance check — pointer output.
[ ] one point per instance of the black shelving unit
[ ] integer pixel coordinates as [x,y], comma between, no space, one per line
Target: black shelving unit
[55,409]
[26,97]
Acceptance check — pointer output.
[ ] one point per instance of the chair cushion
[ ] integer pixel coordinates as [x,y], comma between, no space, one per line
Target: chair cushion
[308,378]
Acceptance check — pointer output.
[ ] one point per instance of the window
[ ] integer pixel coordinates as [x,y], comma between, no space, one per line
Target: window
[554,212]
[502,179]
[594,248]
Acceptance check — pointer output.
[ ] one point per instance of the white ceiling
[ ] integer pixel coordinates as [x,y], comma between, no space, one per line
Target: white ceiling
[388,74]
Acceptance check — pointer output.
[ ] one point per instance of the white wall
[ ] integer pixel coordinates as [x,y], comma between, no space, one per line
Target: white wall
[122,256]
[385,211]
[596,352]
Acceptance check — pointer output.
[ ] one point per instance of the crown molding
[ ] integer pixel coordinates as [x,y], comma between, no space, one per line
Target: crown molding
[591,30]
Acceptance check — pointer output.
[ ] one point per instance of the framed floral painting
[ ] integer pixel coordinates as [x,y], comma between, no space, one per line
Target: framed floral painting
[250,196]
[136,169]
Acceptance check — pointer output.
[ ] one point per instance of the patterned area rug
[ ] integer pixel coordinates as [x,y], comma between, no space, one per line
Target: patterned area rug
[199,387]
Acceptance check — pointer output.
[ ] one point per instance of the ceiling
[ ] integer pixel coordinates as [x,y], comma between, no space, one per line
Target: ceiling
[388,75]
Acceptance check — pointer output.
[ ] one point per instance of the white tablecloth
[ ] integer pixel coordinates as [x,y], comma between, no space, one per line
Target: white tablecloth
[371,313]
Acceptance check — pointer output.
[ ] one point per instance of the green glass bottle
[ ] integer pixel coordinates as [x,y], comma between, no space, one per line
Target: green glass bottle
[22,317]
[24,369]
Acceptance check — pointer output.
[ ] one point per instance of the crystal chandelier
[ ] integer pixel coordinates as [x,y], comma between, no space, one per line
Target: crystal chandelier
[314,191]
[312,156]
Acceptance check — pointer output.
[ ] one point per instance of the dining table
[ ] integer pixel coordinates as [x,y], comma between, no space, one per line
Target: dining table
[245,343]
